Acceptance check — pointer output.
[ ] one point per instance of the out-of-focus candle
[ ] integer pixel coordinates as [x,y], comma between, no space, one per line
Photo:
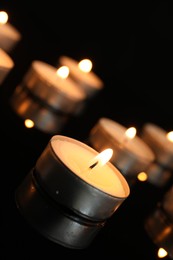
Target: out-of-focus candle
[167,203]
[159,224]
[82,73]
[9,35]
[85,189]
[130,154]
[6,65]
[47,97]
[160,141]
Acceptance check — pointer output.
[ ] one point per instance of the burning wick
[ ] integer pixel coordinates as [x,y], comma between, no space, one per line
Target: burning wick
[102,158]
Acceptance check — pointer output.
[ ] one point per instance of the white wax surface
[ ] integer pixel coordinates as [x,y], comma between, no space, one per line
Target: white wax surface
[66,86]
[89,78]
[9,31]
[159,135]
[6,61]
[77,157]
[136,145]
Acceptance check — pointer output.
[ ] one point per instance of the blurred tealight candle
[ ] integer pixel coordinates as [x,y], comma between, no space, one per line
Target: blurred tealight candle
[161,142]
[6,65]
[9,35]
[82,73]
[159,224]
[48,97]
[130,153]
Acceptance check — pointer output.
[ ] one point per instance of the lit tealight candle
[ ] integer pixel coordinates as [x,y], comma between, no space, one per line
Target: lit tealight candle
[161,142]
[82,73]
[9,35]
[6,65]
[48,97]
[73,190]
[104,184]
[130,153]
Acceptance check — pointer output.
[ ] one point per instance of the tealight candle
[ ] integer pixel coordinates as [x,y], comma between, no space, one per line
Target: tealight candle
[159,224]
[6,65]
[86,78]
[130,155]
[85,190]
[47,98]
[9,35]
[160,171]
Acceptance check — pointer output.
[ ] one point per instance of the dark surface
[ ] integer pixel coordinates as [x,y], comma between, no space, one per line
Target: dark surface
[131,47]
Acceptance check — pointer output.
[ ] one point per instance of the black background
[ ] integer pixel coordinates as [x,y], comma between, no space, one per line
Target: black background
[130,46]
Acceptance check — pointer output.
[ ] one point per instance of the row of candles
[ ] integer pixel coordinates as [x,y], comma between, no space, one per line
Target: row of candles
[46,98]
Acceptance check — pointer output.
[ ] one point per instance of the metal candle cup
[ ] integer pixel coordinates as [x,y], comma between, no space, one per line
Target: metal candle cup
[83,202]
[6,65]
[88,199]
[54,222]
[9,36]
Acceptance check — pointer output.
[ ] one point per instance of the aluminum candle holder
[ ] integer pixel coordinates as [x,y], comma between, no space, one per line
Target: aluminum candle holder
[159,225]
[160,172]
[46,99]
[130,156]
[65,200]
[6,65]
[9,36]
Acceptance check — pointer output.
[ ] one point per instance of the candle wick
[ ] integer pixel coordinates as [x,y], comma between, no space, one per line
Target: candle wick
[93,165]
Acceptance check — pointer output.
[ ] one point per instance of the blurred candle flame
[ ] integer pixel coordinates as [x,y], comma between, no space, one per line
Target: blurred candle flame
[170,136]
[63,72]
[130,132]
[29,123]
[3,17]
[142,176]
[162,252]
[85,65]
[102,158]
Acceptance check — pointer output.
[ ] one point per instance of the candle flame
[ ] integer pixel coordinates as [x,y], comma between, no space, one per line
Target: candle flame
[102,158]
[142,176]
[162,252]
[130,132]
[63,72]
[170,136]
[85,65]
[3,17]
[29,123]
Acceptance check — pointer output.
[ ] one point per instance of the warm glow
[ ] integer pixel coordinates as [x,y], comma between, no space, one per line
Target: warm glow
[170,136]
[130,132]
[85,65]
[63,72]
[29,123]
[102,158]
[3,17]
[142,176]
[162,252]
